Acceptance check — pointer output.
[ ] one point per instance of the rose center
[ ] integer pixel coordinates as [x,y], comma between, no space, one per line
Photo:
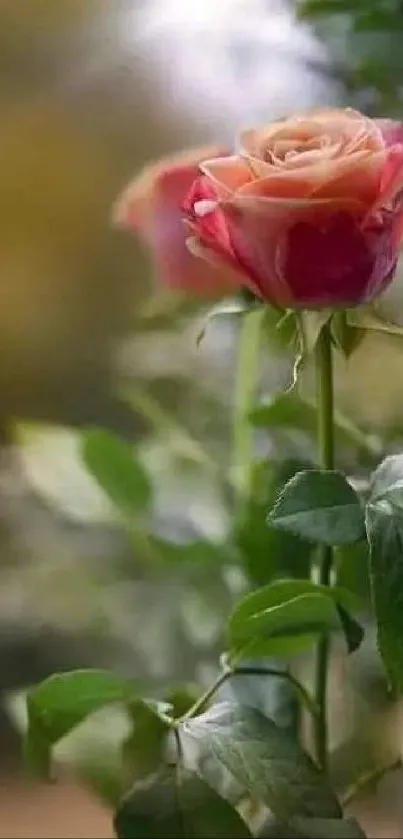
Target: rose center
[285,150]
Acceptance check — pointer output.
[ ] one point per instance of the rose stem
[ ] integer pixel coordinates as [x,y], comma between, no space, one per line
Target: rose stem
[324,379]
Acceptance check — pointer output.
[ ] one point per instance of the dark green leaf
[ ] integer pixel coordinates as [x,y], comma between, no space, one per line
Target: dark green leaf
[60,703]
[353,631]
[143,749]
[286,616]
[346,337]
[267,552]
[274,829]
[385,535]
[290,411]
[182,697]
[285,411]
[320,506]
[353,569]
[269,763]
[387,481]
[113,464]
[175,803]
[103,779]
[288,627]
[274,697]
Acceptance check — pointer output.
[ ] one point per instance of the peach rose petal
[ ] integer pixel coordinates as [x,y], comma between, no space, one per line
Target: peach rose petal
[358,175]
[227,173]
[325,179]
[392,178]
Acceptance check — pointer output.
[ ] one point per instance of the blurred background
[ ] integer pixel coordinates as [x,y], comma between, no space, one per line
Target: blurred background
[90,91]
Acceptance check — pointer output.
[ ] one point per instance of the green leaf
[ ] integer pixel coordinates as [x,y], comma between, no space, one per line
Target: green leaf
[291,411]
[113,464]
[384,520]
[265,760]
[345,336]
[320,506]
[285,411]
[60,703]
[285,617]
[288,627]
[311,325]
[387,481]
[385,535]
[372,318]
[176,803]
[266,552]
[144,747]
[182,697]
[353,631]
[353,570]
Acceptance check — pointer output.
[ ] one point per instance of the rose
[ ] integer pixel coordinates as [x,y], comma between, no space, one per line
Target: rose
[310,209]
[308,214]
[152,206]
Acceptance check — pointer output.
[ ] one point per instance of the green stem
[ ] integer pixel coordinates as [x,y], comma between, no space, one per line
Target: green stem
[245,390]
[230,671]
[368,779]
[324,374]
[205,698]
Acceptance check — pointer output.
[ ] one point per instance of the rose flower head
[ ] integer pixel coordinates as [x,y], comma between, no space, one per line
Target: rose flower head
[307,214]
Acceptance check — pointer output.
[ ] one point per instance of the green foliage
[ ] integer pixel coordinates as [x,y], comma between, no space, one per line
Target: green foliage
[265,760]
[353,570]
[143,749]
[62,702]
[387,481]
[365,49]
[320,506]
[176,802]
[345,336]
[266,551]
[196,774]
[384,518]
[286,616]
[113,464]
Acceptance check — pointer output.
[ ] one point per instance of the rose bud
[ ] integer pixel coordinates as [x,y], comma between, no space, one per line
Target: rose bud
[152,206]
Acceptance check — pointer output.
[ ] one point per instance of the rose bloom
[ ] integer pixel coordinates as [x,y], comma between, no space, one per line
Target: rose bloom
[308,214]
